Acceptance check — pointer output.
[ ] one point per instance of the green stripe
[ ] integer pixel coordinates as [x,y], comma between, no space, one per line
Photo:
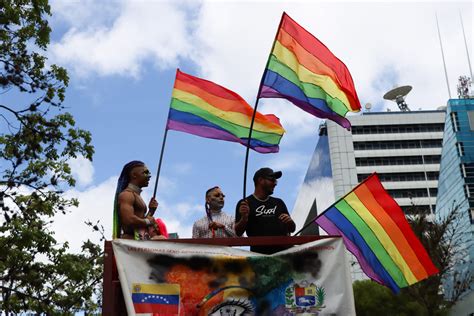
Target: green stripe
[309,89]
[235,129]
[373,242]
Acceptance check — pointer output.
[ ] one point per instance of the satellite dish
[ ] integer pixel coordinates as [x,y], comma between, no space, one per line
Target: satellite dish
[398,95]
[368,106]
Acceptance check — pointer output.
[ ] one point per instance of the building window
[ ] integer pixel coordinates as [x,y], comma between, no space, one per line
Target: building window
[470,114]
[390,129]
[454,121]
[460,149]
[404,160]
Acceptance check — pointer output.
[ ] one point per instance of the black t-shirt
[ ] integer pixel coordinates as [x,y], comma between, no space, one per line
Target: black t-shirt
[263,221]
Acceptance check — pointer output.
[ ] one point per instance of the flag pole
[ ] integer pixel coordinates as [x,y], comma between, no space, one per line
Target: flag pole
[161,158]
[317,216]
[255,110]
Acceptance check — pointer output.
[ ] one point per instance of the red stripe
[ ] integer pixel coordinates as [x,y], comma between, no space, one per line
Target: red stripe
[155,308]
[209,86]
[319,50]
[397,215]
[221,97]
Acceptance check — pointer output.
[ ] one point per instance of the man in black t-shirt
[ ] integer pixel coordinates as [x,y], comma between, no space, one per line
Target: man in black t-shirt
[260,214]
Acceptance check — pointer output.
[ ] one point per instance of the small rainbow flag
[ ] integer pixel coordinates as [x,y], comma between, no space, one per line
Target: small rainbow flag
[156,298]
[304,71]
[375,230]
[203,108]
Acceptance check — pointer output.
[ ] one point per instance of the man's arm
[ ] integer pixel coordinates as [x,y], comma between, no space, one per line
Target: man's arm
[286,219]
[127,214]
[241,217]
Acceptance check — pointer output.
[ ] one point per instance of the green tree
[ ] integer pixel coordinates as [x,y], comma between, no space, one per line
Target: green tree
[37,138]
[447,240]
[373,299]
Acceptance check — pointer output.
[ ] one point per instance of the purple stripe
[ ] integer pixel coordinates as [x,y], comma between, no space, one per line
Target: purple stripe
[269,92]
[331,229]
[209,132]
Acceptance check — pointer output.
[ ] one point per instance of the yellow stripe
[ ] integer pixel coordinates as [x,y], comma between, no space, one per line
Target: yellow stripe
[384,239]
[287,57]
[162,288]
[233,117]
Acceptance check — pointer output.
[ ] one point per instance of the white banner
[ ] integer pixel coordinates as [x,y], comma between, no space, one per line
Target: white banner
[168,278]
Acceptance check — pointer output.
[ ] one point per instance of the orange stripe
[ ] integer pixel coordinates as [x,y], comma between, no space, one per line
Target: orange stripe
[305,58]
[239,106]
[393,231]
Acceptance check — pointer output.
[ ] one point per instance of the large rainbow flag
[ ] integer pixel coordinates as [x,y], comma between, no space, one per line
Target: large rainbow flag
[375,230]
[303,70]
[203,108]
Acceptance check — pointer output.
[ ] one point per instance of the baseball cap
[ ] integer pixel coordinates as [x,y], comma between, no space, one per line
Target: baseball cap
[266,173]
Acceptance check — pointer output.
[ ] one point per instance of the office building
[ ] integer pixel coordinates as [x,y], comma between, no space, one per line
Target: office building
[456,189]
[404,148]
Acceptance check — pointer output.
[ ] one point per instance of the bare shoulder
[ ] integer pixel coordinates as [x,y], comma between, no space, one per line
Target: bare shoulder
[126,197]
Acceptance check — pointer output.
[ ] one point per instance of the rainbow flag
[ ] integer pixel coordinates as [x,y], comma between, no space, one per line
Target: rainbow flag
[156,298]
[203,108]
[375,230]
[303,70]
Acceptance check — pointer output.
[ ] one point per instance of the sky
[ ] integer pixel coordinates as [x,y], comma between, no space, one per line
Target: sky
[122,57]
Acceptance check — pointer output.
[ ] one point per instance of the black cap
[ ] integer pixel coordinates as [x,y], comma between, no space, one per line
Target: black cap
[266,173]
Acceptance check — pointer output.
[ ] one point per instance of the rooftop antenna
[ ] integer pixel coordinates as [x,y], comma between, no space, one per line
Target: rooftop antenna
[368,106]
[465,44]
[398,95]
[442,55]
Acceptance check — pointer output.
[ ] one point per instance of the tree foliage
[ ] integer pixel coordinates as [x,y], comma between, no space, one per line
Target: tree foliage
[37,139]
[444,239]
[373,299]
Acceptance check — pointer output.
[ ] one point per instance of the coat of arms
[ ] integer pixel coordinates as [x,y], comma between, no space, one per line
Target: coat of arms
[304,298]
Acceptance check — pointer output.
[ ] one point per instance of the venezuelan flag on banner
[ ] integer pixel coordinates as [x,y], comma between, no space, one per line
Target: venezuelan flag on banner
[375,230]
[304,71]
[162,299]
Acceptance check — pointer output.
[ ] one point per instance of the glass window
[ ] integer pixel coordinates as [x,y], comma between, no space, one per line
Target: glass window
[470,114]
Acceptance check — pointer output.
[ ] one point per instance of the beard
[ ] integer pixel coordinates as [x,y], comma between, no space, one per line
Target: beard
[216,206]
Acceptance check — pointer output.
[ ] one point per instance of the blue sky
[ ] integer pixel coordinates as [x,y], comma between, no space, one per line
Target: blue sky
[122,56]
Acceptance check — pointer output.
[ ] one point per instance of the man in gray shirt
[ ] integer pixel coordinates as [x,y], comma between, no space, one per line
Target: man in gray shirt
[216,223]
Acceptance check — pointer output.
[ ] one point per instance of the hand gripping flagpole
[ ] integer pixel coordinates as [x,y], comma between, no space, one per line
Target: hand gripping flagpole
[255,110]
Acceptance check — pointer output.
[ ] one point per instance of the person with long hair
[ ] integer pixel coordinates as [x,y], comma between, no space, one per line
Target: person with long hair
[131,219]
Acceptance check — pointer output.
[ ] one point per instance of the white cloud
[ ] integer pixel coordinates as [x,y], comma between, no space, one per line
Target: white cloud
[82,170]
[142,31]
[375,41]
[96,204]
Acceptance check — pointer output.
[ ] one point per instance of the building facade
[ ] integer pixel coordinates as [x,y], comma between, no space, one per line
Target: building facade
[456,186]
[404,148]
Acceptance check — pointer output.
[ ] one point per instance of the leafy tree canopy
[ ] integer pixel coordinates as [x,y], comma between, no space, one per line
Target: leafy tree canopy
[37,139]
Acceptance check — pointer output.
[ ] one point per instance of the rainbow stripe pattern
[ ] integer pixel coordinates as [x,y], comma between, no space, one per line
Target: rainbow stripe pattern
[203,108]
[304,71]
[375,230]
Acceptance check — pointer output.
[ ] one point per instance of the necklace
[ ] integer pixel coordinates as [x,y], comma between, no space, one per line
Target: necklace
[259,199]
[134,188]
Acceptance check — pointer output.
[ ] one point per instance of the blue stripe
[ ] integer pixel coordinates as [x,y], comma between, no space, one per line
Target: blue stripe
[344,225]
[142,298]
[192,119]
[286,87]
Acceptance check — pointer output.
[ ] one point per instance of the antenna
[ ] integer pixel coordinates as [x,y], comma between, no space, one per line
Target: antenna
[398,95]
[368,106]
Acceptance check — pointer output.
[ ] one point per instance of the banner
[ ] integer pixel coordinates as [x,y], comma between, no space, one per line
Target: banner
[167,278]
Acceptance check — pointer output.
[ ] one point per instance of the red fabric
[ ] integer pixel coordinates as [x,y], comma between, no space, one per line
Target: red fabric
[161,227]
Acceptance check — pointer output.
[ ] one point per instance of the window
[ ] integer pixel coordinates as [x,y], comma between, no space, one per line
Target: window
[470,115]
